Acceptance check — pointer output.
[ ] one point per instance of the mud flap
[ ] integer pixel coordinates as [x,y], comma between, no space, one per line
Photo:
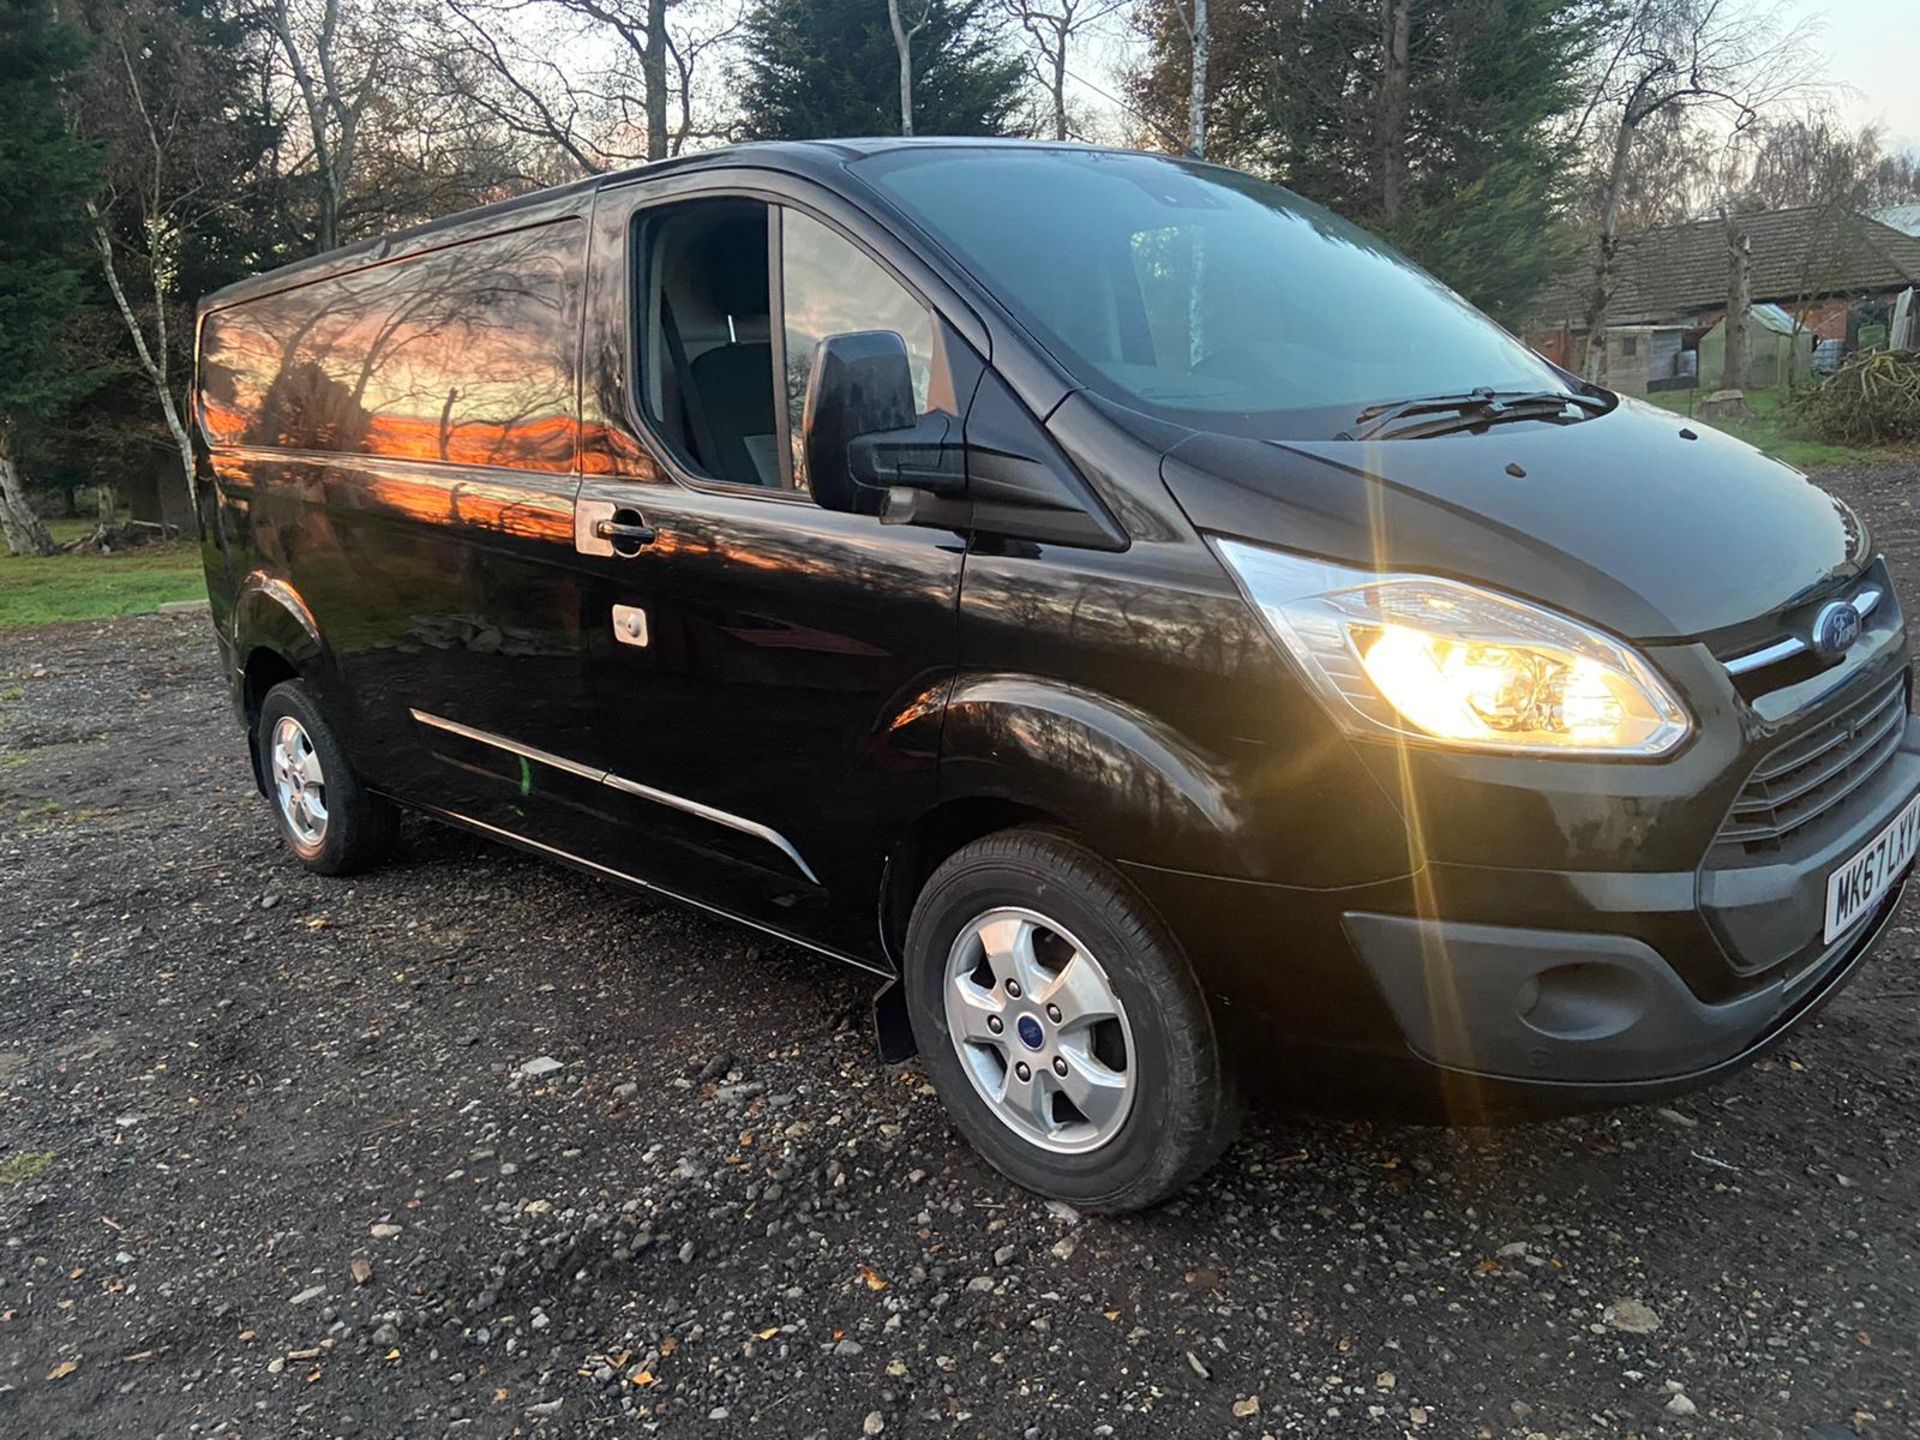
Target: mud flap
[892,1031]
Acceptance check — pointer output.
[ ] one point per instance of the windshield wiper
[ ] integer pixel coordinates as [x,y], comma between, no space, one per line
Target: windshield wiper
[1464,411]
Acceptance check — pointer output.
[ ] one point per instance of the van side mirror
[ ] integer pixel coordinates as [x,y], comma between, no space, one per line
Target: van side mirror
[860,432]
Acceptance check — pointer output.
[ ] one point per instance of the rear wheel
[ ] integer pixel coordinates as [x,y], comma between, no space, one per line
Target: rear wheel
[1062,1026]
[333,824]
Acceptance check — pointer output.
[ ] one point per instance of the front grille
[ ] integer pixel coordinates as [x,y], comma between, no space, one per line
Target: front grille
[1815,771]
[1788,657]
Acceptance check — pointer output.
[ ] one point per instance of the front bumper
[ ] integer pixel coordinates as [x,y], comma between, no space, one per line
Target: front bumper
[1563,988]
[1598,1017]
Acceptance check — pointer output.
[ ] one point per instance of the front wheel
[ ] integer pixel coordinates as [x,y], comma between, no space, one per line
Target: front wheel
[1062,1025]
[333,824]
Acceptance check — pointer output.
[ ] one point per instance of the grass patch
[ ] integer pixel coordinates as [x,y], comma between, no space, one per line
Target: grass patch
[1769,430]
[37,591]
[64,528]
[17,1170]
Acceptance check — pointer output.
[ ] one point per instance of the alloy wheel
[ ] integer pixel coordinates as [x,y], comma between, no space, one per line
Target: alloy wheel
[299,784]
[1040,1030]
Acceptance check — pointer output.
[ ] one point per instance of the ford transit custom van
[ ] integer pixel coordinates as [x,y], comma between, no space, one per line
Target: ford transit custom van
[1173,643]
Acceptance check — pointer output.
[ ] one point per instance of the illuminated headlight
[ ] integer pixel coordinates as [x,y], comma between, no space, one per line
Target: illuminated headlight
[1441,660]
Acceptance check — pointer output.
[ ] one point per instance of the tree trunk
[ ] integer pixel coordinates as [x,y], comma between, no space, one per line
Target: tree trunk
[1059,87]
[903,44]
[153,359]
[1197,97]
[1602,293]
[327,228]
[26,535]
[1396,24]
[654,62]
[1733,375]
[1794,377]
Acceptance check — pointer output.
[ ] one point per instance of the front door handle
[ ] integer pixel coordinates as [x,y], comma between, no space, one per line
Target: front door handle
[631,531]
[606,527]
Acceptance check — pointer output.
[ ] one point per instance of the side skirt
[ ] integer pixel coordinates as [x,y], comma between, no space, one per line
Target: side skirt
[580,862]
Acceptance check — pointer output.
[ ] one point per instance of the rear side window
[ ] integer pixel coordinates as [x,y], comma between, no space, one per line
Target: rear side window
[465,355]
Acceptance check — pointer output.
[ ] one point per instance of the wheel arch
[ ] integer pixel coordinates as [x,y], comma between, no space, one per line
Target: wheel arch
[1102,766]
[275,639]
[937,834]
[1025,750]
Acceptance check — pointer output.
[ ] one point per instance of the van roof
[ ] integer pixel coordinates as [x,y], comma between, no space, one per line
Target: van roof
[559,201]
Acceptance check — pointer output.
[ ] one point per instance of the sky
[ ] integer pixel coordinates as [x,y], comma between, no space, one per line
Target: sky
[1872,50]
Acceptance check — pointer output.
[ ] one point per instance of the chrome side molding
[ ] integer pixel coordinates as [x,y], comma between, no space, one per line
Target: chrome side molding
[512,747]
[625,786]
[1864,604]
[512,837]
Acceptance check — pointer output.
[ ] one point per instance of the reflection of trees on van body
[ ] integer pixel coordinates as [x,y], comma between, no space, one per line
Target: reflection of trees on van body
[1098,612]
[304,400]
[479,334]
[463,355]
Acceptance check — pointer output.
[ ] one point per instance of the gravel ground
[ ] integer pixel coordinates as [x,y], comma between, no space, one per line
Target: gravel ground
[478,1146]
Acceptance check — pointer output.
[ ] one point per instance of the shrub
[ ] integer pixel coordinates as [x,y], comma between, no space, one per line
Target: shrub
[1872,399]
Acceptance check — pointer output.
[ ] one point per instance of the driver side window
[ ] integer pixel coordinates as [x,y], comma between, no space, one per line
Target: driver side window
[829,286]
[706,322]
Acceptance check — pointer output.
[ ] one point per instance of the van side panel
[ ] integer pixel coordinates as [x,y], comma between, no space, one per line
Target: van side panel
[396,447]
[797,656]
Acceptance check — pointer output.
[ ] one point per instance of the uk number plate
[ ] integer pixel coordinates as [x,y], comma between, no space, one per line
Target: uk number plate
[1856,887]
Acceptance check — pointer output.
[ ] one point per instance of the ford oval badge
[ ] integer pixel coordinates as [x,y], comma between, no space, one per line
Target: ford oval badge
[1835,629]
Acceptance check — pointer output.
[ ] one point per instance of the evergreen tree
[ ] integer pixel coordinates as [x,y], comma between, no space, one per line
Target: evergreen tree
[45,174]
[1297,97]
[815,69]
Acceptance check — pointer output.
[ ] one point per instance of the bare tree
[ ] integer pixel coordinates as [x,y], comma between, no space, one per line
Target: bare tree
[543,82]
[688,50]
[153,356]
[520,81]
[1811,158]
[1053,27]
[172,160]
[1670,55]
[653,64]
[334,68]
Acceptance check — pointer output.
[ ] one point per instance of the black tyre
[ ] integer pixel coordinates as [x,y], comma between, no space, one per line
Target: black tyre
[1062,1025]
[333,824]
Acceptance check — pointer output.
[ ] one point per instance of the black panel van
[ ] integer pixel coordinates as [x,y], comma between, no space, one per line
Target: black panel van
[1171,641]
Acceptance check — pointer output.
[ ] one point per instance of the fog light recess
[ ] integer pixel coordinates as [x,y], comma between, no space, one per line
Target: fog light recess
[1582,1001]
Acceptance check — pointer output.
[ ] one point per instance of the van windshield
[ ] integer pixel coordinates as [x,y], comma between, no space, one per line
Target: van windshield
[1199,294]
